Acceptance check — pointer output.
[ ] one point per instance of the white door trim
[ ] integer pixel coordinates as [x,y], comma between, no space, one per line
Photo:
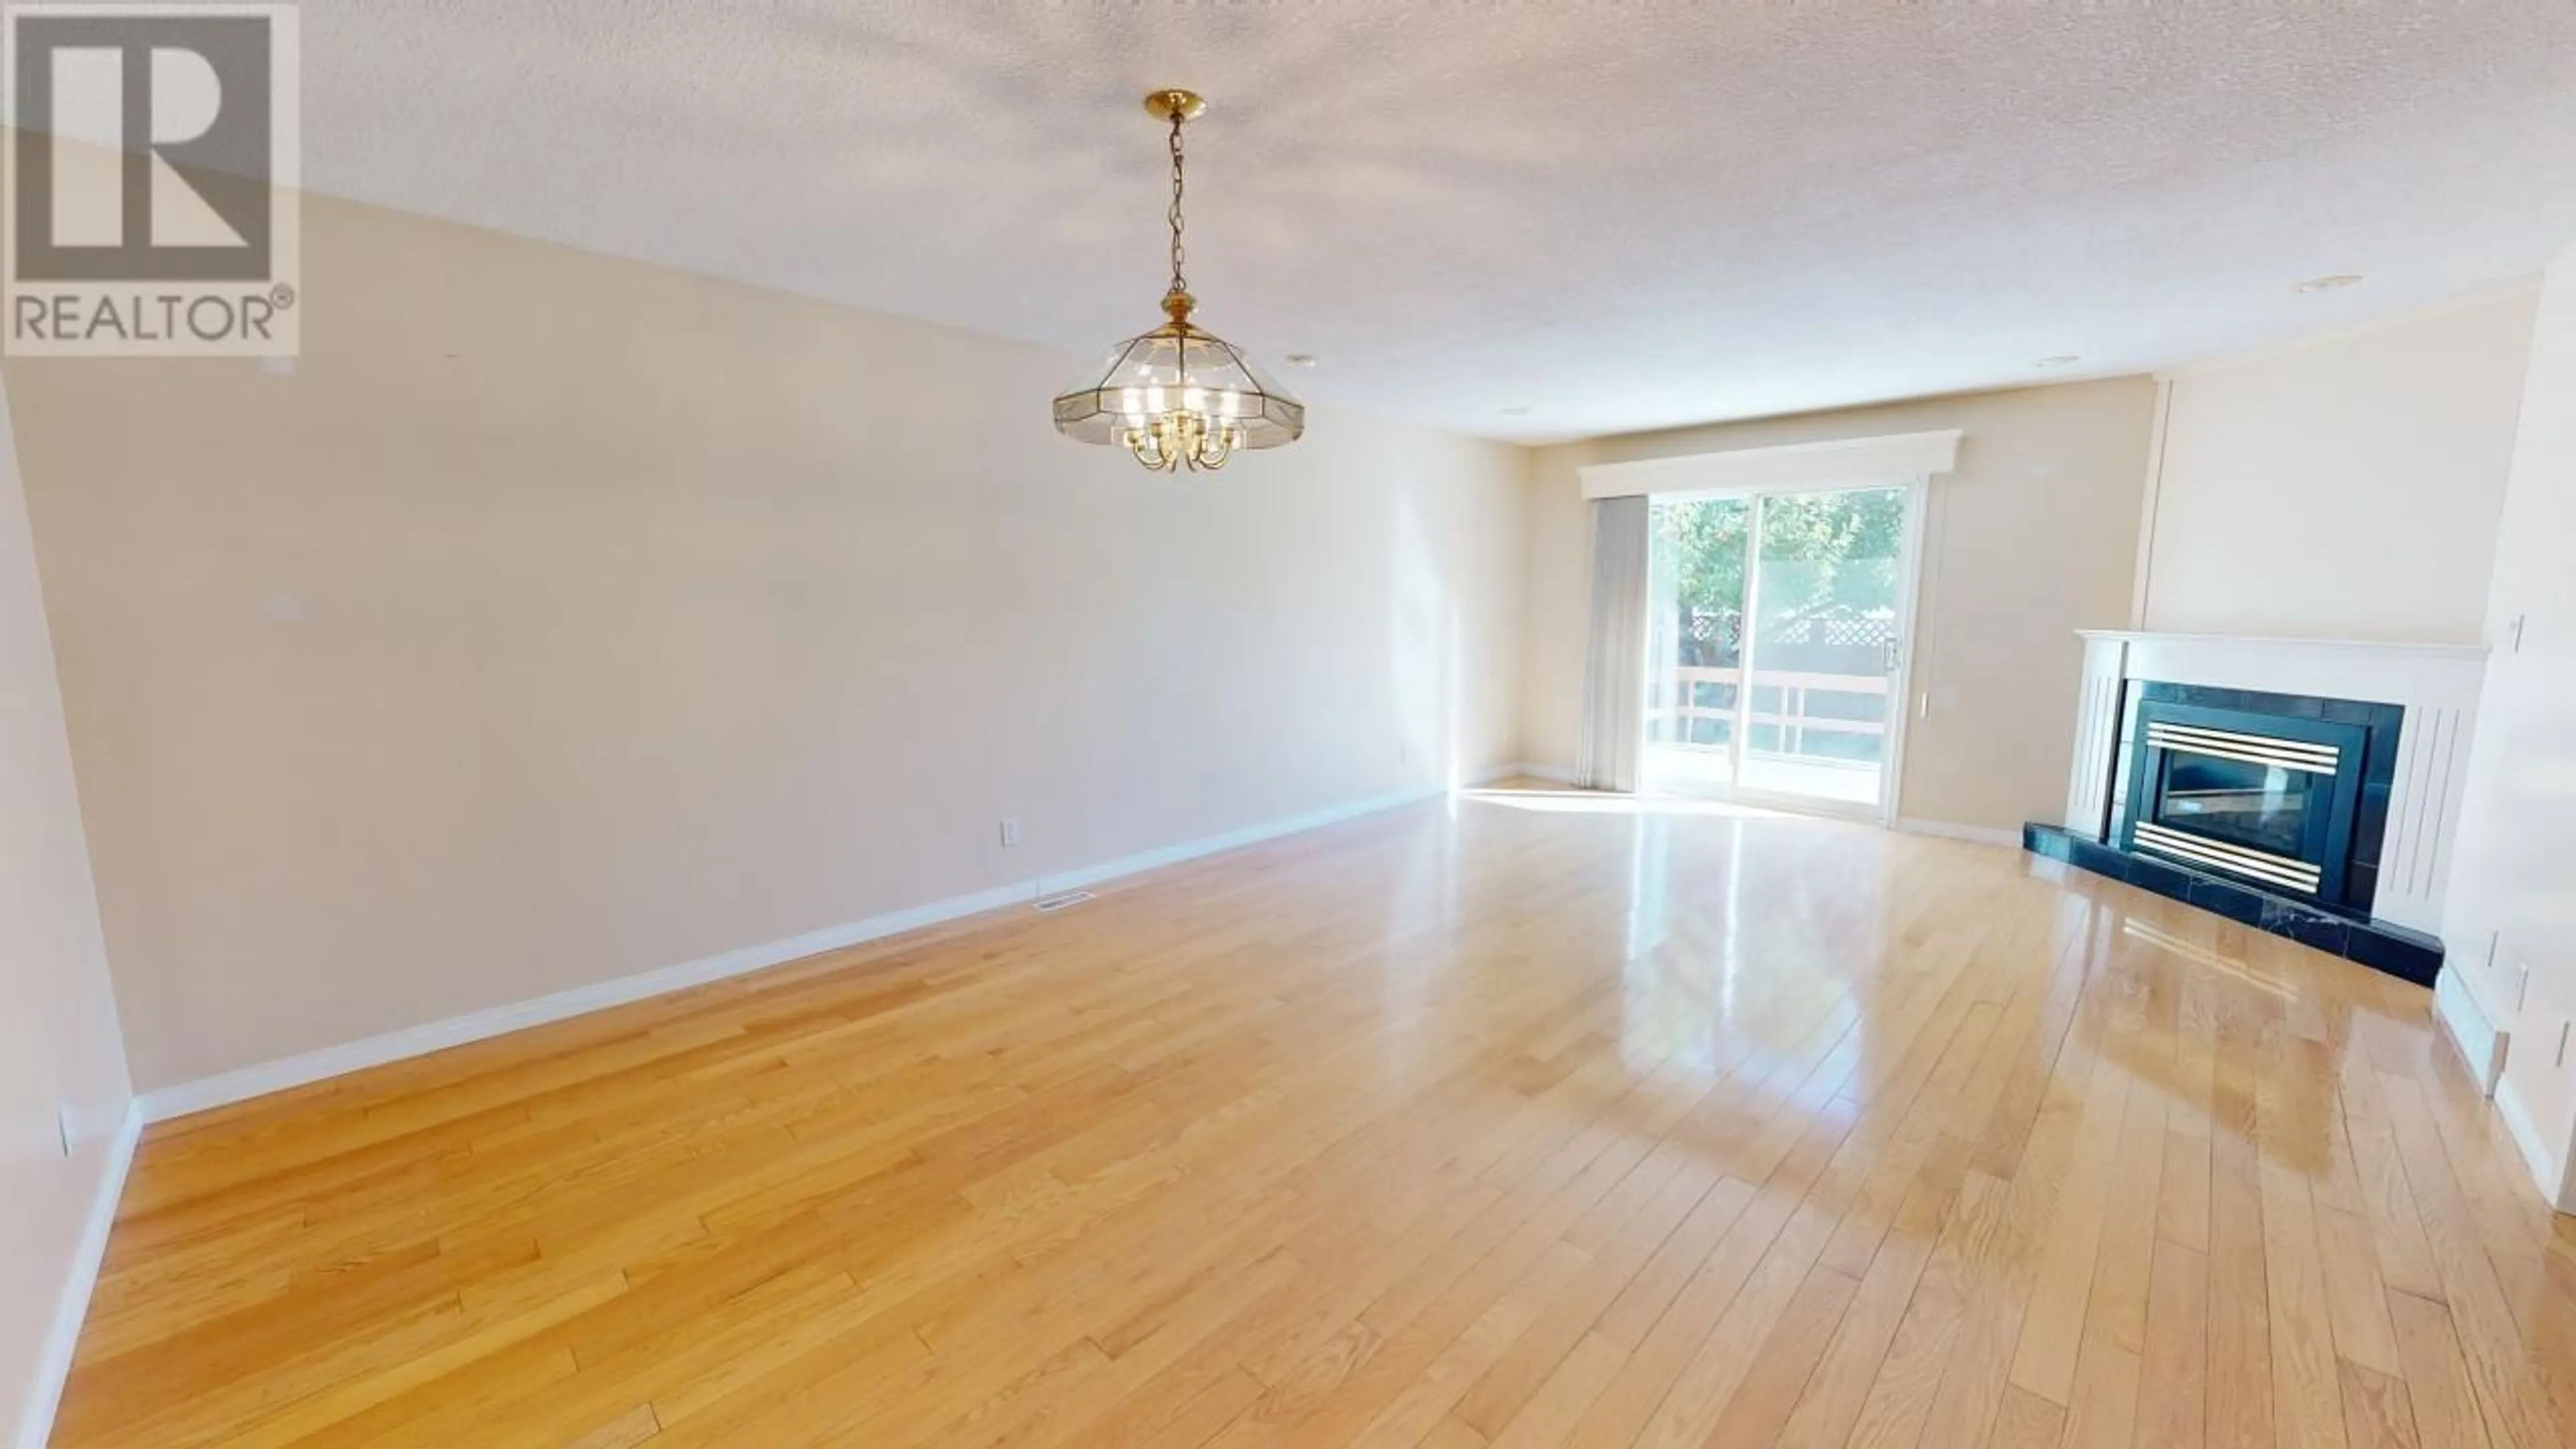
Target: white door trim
[1909,623]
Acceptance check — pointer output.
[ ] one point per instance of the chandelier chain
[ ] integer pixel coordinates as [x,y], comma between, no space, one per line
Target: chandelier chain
[1179,252]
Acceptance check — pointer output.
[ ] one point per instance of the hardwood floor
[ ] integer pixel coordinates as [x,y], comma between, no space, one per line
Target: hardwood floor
[1517,1124]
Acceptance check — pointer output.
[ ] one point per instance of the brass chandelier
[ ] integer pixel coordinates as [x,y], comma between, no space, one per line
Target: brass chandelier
[1178,395]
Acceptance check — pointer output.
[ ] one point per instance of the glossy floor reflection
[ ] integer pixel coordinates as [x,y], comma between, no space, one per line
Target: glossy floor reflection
[1842,783]
[1522,1119]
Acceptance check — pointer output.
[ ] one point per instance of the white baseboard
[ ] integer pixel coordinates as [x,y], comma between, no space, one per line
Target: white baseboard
[206,1093]
[2483,1048]
[45,1395]
[2482,1045]
[2537,1154]
[1554,774]
[1979,834]
[1231,840]
[256,1081]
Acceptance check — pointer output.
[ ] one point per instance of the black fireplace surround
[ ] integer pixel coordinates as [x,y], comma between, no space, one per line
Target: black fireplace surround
[2246,786]
[2266,808]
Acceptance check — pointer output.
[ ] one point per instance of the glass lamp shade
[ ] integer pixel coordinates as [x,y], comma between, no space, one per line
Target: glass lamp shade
[1179,396]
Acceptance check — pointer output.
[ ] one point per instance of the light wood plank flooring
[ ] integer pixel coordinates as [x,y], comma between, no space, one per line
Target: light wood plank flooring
[1504,1123]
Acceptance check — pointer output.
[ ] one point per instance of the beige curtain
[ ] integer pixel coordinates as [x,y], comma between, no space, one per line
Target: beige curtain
[1614,670]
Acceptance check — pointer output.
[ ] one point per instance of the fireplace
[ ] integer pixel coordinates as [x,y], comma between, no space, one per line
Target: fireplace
[2266,789]
[2265,797]
[2304,788]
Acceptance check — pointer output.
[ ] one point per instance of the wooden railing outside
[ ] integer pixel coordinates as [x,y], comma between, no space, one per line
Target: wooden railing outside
[1683,708]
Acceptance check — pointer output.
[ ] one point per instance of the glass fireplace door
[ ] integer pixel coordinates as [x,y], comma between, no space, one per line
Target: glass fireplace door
[2262,806]
[2260,797]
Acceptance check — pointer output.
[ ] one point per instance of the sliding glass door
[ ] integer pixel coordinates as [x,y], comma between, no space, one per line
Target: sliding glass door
[1775,645]
[1699,554]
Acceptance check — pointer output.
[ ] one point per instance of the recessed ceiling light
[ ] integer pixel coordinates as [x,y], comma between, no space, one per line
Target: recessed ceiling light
[1517,410]
[1300,359]
[2328,284]
[2063,359]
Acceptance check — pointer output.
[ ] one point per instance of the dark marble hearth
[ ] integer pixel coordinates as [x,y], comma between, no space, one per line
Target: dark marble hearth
[2406,954]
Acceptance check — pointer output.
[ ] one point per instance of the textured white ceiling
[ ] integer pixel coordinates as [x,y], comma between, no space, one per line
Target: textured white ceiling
[1619,216]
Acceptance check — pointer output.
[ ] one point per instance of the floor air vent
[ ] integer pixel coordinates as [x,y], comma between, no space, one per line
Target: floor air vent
[1069,898]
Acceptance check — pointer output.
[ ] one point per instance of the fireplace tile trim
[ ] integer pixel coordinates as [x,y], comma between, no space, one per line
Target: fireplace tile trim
[2384,946]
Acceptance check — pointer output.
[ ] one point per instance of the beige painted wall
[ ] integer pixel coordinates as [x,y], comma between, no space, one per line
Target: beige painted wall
[2517,843]
[562,618]
[2032,538]
[58,1035]
[2343,488]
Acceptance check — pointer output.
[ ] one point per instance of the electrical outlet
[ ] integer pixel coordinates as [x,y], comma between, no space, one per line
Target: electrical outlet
[1010,831]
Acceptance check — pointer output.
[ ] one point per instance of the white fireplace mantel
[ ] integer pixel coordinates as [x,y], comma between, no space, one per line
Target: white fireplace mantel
[2436,684]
